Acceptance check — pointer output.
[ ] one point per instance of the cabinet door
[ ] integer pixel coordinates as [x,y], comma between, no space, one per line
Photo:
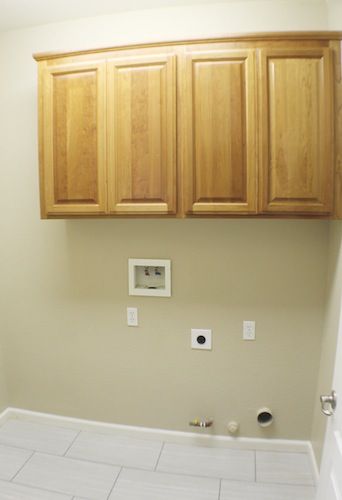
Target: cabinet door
[73,138]
[142,135]
[218,134]
[296,145]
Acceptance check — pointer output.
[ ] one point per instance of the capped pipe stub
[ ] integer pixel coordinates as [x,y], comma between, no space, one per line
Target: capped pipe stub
[265,417]
[233,427]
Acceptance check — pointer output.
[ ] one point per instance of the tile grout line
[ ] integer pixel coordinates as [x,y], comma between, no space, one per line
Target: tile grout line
[183,474]
[218,478]
[46,490]
[157,463]
[277,483]
[89,461]
[72,442]
[165,472]
[116,480]
[21,468]
[85,498]
[283,482]
[134,467]
[158,459]
[22,449]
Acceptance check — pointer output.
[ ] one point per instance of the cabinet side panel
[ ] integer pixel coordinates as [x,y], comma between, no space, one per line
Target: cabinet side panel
[41,128]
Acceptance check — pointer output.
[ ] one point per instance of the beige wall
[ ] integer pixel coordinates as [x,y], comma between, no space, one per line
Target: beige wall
[64,286]
[330,331]
[334,294]
[335,14]
[177,22]
[3,386]
[68,350]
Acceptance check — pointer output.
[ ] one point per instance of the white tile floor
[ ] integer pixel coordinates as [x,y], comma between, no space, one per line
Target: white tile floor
[44,462]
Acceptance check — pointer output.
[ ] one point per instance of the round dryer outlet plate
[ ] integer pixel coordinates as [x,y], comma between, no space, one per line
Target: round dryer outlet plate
[201,339]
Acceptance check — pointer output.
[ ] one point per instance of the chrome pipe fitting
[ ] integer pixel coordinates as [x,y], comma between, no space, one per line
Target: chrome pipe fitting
[201,423]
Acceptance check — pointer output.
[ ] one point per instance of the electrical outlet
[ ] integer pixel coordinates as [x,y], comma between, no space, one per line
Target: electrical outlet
[132,316]
[200,339]
[249,330]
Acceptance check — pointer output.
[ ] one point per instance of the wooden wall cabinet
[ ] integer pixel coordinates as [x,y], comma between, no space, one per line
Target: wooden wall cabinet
[249,126]
[108,137]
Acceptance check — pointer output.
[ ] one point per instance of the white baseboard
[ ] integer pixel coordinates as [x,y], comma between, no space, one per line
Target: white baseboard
[195,438]
[314,463]
[6,415]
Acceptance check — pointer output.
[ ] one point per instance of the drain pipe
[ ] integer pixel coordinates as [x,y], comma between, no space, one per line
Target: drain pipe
[265,417]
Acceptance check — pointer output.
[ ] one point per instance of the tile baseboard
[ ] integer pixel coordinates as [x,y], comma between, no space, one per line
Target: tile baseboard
[180,437]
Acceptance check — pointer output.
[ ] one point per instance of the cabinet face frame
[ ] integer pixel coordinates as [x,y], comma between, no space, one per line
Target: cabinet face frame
[323,201]
[48,141]
[124,143]
[189,141]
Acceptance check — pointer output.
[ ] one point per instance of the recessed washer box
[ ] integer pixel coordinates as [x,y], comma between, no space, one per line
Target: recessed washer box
[149,277]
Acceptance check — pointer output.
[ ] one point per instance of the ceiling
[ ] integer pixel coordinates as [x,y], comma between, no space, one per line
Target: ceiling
[22,13]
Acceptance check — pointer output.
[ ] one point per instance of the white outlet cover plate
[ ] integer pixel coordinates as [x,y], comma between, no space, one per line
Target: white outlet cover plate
[132,316]
[196,337]
[249,330]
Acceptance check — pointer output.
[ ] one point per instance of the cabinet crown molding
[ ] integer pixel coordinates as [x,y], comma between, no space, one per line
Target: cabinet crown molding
[233,37]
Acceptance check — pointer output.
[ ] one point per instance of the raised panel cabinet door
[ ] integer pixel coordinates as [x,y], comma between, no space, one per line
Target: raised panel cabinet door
[142,135]
[219,136]
[73,171]
[296,139]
